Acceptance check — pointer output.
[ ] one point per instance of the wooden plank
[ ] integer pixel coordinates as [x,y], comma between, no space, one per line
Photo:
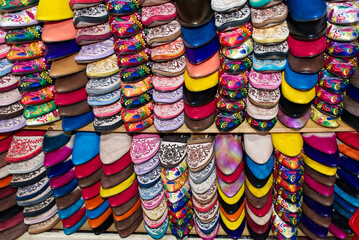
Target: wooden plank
[141,229]
[243,128]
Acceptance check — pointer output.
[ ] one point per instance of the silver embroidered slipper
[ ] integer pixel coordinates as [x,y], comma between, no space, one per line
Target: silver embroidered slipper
[226,5]
[95,51]
[90,16]
[233,19]
[99,86]
[108,123]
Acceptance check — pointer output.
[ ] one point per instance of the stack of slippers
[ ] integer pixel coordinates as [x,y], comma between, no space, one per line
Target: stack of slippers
[26,53]
[164,38]
[97,51]
[118,182]
[321,159]
[174,175]
[230,178]
[346,202]
[306,59]
[12,219]
[270,32]
[351,102]
[88,168]
[11,109]
[70,77]
[145,156]
[34,192]
[202,179]
[258,191]
[232,21]
[288,174]
[59,36]
[340,65]
[202,61]
[57,147]
[133,57]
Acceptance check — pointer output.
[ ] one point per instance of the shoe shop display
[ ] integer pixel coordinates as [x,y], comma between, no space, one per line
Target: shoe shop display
[34,195]
[205,118]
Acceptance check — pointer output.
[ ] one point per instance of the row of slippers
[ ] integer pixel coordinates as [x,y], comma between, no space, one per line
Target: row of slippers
[321,158]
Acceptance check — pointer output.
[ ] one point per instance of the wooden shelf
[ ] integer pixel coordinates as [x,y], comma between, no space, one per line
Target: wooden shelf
[141,229]
[243,128]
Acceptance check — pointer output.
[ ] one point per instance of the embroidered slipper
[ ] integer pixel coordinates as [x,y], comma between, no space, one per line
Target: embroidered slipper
[40,96]
[11,111]
[126,26]
[158,15]
[91,16]
[25,138]
[93,34]
[44,119]
[235,66]
[24,35]
[168,111]
[274,34]
[130,45]
[118,7]
[169,124]
[20,19]
[275,51]
[168,51]
[95,51]
[151,142]
[232,19]
[235,37]
[172,145]
[171,68]
[105,99]
[264,17]
[163,34]
[103,68]
[138,114]
[240,51]
[136,102]
[133,60]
